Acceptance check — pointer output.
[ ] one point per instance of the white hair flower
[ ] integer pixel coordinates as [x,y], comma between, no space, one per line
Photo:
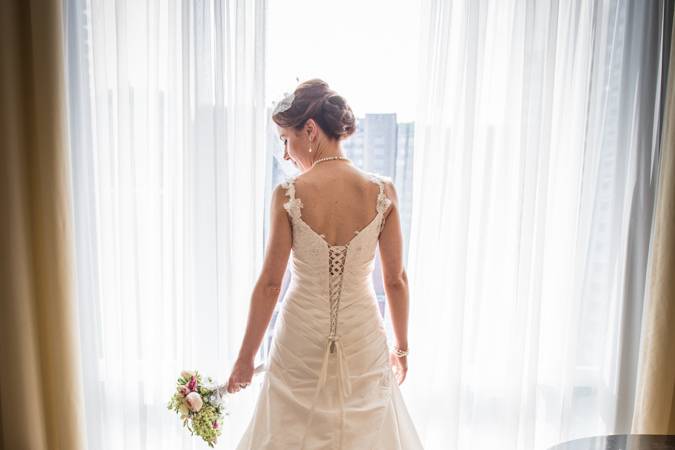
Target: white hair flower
[285,103]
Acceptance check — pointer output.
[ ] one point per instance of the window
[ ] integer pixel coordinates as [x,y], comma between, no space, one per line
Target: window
[383,100]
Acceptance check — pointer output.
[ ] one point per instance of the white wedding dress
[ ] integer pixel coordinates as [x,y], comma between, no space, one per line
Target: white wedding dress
[328,382]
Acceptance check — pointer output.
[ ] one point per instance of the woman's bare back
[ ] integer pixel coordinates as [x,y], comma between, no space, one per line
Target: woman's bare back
[338,201]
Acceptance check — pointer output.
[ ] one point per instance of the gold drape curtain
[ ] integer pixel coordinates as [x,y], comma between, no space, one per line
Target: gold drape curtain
[41,404]
[655,396]
[40,389]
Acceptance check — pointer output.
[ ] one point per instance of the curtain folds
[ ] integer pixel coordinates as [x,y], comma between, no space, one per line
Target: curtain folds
[167,127]
[655,403]
[41,404]
[535,164]
[542,222]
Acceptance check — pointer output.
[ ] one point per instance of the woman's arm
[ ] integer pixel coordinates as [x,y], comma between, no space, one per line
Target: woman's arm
[267,288]
[394,275]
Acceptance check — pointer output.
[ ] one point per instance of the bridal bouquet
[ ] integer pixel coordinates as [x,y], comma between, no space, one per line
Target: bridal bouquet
[201,406]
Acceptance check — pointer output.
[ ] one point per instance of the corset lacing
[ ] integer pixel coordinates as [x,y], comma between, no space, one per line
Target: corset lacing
[337,255]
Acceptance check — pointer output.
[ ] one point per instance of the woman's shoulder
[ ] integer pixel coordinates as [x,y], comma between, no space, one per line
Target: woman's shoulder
[285,189]
[383,180]
[379,177]
[388,195]
[290,181]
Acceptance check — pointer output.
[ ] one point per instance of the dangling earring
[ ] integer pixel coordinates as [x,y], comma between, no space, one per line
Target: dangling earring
[310,145]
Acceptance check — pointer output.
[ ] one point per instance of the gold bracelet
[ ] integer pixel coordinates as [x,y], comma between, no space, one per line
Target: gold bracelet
[398,352]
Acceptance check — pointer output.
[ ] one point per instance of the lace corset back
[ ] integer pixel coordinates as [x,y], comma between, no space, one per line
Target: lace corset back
[314,256]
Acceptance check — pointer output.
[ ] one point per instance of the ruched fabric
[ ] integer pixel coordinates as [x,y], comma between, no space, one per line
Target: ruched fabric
[328,382]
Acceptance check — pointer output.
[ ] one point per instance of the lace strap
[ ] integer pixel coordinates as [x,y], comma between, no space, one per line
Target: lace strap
[383,201]
[293,205]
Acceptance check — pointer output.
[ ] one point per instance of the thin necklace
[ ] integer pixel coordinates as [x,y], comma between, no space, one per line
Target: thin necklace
[328,158]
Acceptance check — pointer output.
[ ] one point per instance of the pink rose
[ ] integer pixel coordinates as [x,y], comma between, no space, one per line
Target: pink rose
[183,390]
[187,374]
[192,384]
[194,401]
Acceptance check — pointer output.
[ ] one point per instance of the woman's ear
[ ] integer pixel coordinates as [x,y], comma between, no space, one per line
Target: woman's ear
[309,126]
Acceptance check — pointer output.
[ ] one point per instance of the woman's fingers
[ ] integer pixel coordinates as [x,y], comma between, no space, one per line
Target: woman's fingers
[401,370]
[234,385]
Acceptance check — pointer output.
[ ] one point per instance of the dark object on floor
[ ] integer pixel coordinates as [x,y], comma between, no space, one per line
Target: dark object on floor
[620,442]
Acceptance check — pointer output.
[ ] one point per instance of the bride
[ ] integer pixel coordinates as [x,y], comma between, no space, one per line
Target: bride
[331,379]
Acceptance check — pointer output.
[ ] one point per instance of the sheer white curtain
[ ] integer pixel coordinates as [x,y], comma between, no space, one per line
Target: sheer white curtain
[167,129]
[535,154]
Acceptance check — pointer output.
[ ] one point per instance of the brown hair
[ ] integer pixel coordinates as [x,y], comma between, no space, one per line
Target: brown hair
[315,100]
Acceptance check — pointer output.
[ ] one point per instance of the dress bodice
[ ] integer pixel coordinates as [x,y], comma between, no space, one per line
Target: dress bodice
[328,279]
[334,267]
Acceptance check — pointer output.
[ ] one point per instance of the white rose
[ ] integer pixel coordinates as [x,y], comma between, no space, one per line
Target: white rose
[194,401]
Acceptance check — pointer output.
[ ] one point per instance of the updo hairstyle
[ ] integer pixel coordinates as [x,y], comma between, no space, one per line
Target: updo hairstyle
[315,100]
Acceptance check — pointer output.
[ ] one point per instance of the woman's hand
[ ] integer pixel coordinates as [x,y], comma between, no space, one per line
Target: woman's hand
[400,366]
[241,376]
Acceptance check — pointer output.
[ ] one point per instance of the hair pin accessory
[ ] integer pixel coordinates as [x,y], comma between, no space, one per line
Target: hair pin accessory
[285,103]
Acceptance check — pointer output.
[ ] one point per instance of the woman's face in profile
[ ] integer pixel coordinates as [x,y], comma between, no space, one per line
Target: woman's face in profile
[292,143]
